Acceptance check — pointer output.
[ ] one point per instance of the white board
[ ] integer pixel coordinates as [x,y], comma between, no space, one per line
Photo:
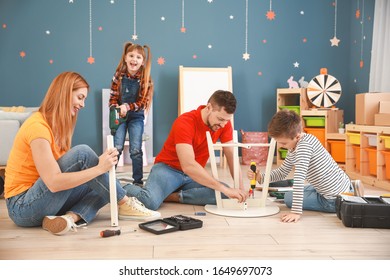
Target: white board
[197,84]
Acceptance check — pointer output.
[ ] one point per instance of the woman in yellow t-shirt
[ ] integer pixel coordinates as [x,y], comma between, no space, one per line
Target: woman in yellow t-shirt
[48,183]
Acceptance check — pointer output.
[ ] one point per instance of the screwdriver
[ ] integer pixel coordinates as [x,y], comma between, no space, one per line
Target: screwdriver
[108,233]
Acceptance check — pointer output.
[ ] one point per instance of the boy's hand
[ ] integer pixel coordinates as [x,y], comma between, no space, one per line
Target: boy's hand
[252,175]
[290,217]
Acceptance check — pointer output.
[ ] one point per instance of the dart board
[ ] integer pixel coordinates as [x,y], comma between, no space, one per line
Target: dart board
[324,91]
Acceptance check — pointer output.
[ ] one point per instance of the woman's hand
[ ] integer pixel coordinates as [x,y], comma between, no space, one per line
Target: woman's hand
[108,159]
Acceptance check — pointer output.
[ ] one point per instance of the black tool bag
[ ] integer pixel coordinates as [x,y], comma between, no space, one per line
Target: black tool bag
[374,213]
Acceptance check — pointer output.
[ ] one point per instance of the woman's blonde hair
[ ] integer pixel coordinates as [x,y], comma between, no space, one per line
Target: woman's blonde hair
[145,79]
[57,104]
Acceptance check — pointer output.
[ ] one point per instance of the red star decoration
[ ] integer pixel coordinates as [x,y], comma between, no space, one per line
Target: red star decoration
[100,28]
[270,15]
[4,25]
[304,40]
[264,41]
[194,56]
[91,60]
[161,61]
[357,14]
[183,30]
[51,61]
[22,54]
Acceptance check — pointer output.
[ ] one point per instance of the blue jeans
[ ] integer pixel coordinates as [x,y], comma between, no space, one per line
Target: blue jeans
[164,180]
[312,200]
[135,127]
[30,207]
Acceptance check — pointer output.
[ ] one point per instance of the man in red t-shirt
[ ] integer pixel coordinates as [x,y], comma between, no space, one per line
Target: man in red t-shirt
[178,174]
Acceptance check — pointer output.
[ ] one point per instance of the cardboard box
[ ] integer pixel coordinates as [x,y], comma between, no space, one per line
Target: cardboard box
[382,119]
[367,105]
[384,107]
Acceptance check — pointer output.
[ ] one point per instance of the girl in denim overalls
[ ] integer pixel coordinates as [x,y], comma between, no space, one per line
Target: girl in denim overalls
[132,92]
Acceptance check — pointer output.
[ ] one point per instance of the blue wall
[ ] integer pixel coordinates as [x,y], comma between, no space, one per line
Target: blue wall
[59,31]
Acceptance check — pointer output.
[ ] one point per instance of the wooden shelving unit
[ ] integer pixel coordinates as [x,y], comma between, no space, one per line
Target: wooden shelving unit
[358,166]
[290,97]
[298,97]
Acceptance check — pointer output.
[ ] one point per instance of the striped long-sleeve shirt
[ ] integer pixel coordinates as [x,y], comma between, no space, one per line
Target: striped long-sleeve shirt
[314,165]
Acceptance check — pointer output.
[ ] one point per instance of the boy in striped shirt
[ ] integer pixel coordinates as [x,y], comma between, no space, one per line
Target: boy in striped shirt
[317,177]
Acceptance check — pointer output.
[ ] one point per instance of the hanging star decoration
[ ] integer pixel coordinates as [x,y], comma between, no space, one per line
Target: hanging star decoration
[296,64]
[135,36]
[357,13]
[90,59]
[335,41]
[182,29]
[362,37]
[22,54]
[246,55]
[270,14]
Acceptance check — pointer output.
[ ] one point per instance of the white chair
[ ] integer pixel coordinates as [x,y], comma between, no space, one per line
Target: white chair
[253,207]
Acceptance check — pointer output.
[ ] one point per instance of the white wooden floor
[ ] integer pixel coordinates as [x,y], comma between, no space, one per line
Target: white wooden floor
[317,236]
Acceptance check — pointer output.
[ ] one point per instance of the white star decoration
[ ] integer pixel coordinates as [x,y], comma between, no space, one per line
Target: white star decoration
[162,18]
[245,56]
[134,37]
[334,41]
[296,64]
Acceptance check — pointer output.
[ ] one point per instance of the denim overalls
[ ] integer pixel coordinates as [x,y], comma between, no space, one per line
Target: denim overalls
[134,126]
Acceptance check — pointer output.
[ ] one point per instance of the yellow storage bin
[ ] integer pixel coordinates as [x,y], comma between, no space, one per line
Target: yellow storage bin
[296,109]
[387,140]
[371,160]
[337,150]
[356,150]
[354,138]
[387,163]
[317,132]
[314,121]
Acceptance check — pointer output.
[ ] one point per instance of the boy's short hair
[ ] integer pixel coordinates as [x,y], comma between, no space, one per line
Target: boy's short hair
[285,123]
[225,99]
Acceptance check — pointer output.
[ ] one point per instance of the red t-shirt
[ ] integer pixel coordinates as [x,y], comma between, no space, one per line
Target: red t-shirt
[189,128]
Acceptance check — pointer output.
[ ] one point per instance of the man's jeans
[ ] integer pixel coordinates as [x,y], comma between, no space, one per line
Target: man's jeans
[164,180]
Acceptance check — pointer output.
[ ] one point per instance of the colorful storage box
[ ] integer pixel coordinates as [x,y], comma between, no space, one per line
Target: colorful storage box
[296,109]
[371,139]
[356,150]
[337,150]
[317,132]
[314,121]
[354,138]
[387,163]
[283,153]
[371,160]
[387,140]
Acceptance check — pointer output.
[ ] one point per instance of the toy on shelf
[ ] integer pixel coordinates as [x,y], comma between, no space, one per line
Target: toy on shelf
[292,83]
[324,90]
[302,82]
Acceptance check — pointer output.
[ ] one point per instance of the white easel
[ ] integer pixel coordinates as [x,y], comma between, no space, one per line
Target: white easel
[253,207]
[113,197]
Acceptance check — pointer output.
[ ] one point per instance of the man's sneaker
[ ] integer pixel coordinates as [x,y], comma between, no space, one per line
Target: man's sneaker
[59,224]
[133,209]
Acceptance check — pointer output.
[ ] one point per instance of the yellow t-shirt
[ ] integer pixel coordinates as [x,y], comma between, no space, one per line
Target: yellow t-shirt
[20,172]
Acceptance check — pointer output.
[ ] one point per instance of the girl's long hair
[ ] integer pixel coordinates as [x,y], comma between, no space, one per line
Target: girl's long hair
[57,105]
[145,79]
